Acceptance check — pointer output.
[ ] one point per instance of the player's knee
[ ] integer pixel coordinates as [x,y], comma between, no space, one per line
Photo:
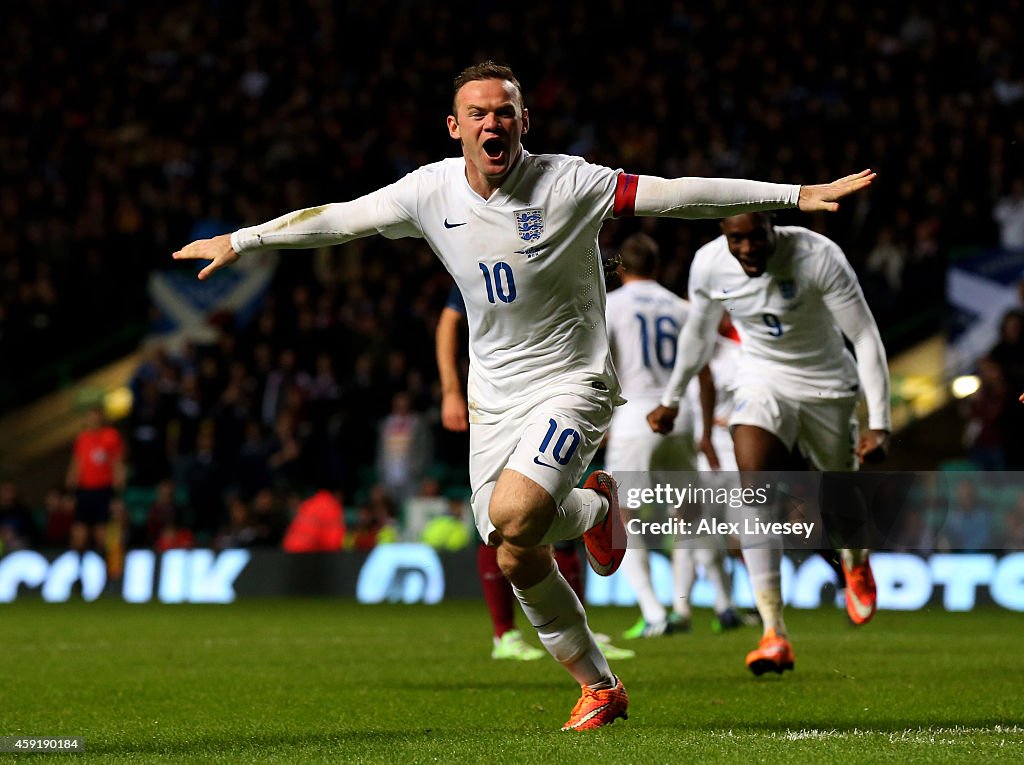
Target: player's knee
[519,529]
[524,566]
[520,517]
[512,565]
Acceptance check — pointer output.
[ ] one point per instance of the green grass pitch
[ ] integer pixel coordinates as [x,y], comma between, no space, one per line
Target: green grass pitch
[332,681]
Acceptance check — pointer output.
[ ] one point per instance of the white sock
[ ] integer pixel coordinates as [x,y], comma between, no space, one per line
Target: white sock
[684,572]
[711,560]
[636,567]
[764,566]
[554,610]
[853,557]
[579,512]
[769,605]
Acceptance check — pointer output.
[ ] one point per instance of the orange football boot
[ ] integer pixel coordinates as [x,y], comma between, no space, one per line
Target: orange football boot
[595,709]
[774,654]
[861,596]
[602,555]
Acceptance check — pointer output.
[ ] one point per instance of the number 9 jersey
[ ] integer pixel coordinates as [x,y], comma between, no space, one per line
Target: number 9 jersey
[786,317]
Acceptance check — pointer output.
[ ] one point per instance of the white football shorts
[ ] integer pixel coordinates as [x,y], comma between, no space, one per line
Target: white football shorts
[551,443]
[641,461]
[651,452]
[825,429]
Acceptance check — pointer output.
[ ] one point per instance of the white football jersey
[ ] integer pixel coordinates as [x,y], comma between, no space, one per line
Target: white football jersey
[784,317]
[526,259]
[527,263]
[644,319]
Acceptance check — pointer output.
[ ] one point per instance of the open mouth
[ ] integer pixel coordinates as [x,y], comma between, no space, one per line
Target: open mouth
[494,148]
[753,266]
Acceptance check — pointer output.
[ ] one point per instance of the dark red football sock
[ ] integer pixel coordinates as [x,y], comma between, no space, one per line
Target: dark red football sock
[568,560]
[497,590]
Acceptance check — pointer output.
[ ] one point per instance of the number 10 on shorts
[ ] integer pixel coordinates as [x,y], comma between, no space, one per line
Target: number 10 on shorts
[565,446]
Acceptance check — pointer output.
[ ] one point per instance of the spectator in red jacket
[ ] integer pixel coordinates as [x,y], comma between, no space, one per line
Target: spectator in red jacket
[95,473]
[318,526]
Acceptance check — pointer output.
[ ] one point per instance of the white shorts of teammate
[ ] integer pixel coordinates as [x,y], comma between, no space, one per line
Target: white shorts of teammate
[551,443]
[726,477]
[825,429]
[644,461]
[651,454]
[634,448]
[640,458]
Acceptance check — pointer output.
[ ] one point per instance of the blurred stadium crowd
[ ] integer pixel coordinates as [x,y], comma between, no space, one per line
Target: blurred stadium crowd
[158,124]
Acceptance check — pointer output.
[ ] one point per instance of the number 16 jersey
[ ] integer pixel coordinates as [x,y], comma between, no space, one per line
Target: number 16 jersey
[644,319]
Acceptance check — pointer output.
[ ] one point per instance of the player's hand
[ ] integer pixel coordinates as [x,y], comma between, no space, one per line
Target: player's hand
[454,412]
[708,450]
[823,196]
[1021,399]
[663,418]
[873,446]
[218,251]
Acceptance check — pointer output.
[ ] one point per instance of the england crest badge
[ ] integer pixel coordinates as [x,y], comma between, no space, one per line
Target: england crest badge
[788,288]
[530,223]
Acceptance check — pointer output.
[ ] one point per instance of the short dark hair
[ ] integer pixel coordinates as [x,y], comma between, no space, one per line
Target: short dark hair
[640,256]
[485,70]
[760,217]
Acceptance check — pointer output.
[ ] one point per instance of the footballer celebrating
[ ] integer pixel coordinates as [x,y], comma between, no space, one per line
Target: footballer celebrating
[518,234]
[792,296]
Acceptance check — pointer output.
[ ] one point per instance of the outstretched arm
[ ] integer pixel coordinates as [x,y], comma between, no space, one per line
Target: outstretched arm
[648,195]
[323,226]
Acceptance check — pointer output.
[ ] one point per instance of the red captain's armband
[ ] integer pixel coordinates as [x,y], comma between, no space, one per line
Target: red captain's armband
[625,195]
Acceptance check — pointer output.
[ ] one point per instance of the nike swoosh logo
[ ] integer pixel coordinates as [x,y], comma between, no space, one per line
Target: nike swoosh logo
[543,464]
[863,611]
[532,252]
[453,225]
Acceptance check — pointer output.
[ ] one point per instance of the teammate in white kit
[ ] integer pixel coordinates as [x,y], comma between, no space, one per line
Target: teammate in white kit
[644,320]
[518,234]
[720,470]
[792,296]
